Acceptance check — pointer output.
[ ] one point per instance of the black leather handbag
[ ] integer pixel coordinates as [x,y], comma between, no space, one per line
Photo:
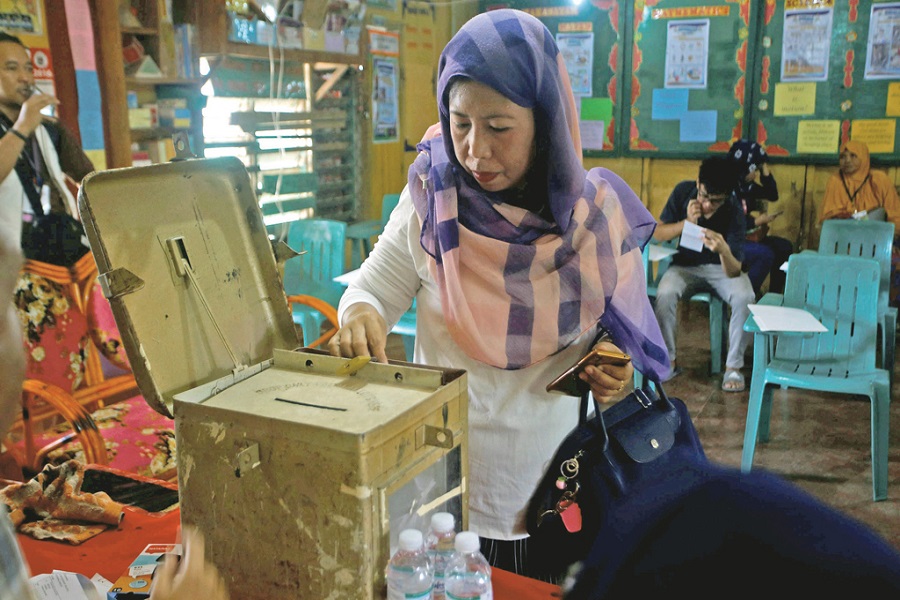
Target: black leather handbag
[55,238]
[597,466]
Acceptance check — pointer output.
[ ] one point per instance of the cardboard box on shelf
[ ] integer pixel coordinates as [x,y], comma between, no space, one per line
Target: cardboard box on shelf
[143,117]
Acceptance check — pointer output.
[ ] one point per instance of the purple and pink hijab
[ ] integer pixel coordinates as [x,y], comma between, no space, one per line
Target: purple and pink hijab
[516,287]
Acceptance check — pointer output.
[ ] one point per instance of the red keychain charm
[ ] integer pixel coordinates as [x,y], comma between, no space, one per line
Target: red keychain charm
[571,518]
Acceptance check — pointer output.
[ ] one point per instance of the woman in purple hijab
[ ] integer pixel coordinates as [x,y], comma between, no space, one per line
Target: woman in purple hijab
[518,260]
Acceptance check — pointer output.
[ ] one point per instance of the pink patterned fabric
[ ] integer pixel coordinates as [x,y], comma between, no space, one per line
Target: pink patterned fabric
[55,332]
[103,329]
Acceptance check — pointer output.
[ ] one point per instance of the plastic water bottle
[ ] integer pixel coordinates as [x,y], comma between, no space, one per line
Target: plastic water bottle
[410,575]
[468,574]
[439,544]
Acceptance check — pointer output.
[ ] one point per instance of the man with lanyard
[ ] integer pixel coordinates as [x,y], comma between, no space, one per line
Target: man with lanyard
[35,151]
[709,203]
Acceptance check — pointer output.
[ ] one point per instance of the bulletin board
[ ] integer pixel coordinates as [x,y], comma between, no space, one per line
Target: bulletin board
[590,40]
[799,112]
[688,84]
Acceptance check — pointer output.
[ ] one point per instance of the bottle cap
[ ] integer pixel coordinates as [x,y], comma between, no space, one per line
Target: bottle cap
[443,522]
[410,539]
[467,541]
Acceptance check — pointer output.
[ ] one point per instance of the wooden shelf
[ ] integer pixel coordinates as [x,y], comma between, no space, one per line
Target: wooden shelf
[291,54]
[140,30]
[164,81]
[155,133]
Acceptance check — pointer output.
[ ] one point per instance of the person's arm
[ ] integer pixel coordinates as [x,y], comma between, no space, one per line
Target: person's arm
[11,144]
[671,221]
[72,159]
[715,242]
[768,189]
[383,290]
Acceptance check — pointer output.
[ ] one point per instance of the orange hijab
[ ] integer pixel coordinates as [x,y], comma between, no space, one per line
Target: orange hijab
[865,189]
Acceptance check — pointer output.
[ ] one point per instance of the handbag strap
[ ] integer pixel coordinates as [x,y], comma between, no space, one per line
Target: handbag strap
[644,395]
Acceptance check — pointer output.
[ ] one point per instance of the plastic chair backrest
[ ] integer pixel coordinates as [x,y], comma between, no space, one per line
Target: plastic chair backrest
[388,204]
[865,239]
[842,293]
[313,273]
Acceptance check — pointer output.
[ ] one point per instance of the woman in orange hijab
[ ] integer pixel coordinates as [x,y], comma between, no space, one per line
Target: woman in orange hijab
[856,187]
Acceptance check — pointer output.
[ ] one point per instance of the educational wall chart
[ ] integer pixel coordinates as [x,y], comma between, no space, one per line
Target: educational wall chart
[588,36]
[686,78]
[687,69]
[838,59]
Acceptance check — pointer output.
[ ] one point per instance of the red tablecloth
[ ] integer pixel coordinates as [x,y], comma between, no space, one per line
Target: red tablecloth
[110,553]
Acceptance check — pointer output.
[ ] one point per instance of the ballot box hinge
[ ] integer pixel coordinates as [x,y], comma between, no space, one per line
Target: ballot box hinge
[119,282]
[181,262]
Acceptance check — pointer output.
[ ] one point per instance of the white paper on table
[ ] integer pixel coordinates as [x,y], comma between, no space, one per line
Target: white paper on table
[784,318]
[101,583]
[63,585]
[692,237]
[656,252]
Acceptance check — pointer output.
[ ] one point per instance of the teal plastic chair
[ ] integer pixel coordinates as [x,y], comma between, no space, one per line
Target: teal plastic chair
[842,293]
[869,239]
[312,273]
[361,233]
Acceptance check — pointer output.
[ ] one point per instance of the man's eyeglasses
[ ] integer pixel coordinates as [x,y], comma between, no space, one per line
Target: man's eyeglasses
[711,198]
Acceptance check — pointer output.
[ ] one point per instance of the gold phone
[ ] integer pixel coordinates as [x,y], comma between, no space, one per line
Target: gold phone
[569,383]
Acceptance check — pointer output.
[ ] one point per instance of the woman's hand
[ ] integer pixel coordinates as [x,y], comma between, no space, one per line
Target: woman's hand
[363,333]
[190,578]
[607,381]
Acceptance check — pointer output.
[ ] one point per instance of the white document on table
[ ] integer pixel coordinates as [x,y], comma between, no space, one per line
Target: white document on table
[656,252]
[63,585]
[783,318]
[692,237]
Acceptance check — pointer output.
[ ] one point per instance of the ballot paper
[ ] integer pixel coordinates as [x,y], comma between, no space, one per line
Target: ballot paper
[656,252]
[783,318]
[63,585]
[692,237]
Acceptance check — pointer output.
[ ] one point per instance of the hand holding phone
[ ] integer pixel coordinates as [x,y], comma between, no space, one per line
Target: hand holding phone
[568,381]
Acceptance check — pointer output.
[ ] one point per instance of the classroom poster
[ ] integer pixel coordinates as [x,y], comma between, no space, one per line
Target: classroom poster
[883,48]
[806,45]
[687,54]
[577,50]
[384,100]
[18,17]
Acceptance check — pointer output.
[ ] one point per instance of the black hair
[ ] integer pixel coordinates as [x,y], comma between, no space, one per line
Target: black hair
[6,37]
[718,175]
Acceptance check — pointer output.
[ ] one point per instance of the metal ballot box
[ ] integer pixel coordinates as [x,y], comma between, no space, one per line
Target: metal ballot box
[300,468]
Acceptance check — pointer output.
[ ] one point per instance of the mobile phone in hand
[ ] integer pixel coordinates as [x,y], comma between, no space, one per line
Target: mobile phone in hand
[568,381]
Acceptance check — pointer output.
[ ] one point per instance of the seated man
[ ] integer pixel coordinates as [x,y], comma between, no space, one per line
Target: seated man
[710,203]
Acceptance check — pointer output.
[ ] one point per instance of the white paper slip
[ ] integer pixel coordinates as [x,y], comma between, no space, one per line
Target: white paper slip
[62,585]
[347,278]
[692,237]
[783,318]
[656,252]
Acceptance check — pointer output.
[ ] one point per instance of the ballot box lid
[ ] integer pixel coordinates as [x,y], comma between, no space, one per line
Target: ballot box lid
[188,268]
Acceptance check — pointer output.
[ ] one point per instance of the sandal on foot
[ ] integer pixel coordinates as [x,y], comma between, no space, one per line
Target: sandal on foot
[733,381]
